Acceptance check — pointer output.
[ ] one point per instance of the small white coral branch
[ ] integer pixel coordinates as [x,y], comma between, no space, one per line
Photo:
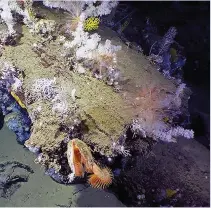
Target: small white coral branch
[10,76]
[120,149]
[104,8]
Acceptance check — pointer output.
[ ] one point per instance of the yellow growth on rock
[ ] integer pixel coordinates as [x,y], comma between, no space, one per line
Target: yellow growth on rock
[92,23]
[18,99]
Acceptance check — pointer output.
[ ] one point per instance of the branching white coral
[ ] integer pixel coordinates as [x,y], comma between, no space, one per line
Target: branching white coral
[74,7]
[7,7]
[120,149]
[103,9]
[173,133]
[87,46]
[43,89]
[160,131]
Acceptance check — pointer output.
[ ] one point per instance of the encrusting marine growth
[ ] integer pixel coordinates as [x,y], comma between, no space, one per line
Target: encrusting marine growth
[80,160]
[92,23]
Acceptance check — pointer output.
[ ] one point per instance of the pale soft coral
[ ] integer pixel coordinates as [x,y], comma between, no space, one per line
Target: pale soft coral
[10,75]
[7,7]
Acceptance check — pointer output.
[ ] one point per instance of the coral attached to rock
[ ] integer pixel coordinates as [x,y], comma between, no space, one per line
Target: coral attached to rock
[92,23]
[81,160]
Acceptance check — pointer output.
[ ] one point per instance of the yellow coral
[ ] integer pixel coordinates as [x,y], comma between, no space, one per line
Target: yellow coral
[92,23]
[124,25]
[28,7]
[18,99]
[174,55]
[170,193]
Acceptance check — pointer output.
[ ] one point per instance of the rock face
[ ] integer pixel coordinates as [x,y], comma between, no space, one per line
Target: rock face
[182,167]
[104,112]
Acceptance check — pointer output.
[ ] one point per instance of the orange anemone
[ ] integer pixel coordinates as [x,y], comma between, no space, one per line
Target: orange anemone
[82,161]
[102,177]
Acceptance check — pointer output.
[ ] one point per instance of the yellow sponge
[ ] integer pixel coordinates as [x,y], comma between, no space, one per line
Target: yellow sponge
[92,23]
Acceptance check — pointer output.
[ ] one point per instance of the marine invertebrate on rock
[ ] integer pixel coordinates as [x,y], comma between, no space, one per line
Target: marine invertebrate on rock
[153,107]
[101,178]
[9,7]
[80,160]
[44,27]
[18,99]
[84,43]
[74,8]
[42,89]
[92,23]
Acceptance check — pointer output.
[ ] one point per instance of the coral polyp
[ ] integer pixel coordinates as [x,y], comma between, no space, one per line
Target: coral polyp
[101,178]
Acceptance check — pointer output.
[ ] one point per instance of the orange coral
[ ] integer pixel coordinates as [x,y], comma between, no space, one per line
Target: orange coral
[81,160]
[77,162]
[101,177]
